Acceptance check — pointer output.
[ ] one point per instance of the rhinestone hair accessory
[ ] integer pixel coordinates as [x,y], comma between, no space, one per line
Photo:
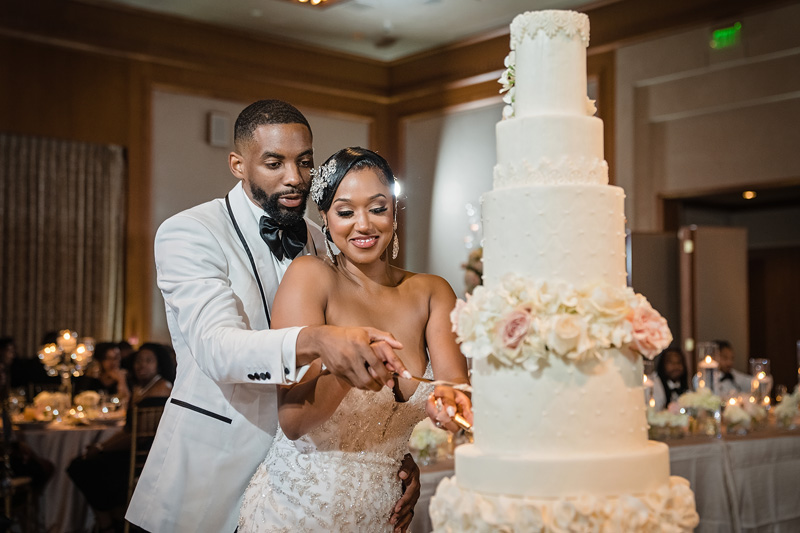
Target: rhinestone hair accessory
[319,179]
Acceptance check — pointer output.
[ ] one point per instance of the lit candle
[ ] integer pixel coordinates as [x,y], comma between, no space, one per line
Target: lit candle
[707,367]
[648,385]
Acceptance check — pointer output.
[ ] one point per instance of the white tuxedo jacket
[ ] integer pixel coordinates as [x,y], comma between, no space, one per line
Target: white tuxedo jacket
[222,413]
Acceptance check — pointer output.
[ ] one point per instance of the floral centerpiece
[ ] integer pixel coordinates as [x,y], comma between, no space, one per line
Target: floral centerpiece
[48,406]
[473,270]
[703,408]
[428,442]
[787,410]
[741,416]
[736,418]
[525,322]
[87,404]
[667,424]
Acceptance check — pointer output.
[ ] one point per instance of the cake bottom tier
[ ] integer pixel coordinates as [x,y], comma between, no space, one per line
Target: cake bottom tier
[553,476]
[668,507]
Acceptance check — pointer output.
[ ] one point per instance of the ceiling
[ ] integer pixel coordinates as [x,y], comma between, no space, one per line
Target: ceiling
[384,30]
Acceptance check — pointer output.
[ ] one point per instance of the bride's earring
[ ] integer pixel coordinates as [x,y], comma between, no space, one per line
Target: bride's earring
[395,243]
[328,249]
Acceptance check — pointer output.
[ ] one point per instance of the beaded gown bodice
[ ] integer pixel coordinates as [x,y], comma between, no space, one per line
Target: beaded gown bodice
[341,476]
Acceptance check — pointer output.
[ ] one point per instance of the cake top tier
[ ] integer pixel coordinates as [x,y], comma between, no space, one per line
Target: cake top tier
[550,23]
[546,68]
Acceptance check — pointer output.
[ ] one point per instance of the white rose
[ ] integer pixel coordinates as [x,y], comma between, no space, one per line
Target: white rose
[565,333]
[564,514]
[610,302]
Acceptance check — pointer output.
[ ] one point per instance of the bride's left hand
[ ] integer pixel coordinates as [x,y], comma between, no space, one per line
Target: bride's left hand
[404,510]
[444,403]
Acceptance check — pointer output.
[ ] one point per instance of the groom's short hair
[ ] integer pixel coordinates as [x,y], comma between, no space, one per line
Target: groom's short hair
[262,113]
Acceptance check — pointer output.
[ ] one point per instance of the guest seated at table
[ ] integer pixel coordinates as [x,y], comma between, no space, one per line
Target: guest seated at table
[105,374]
[164,355]
[126,353]
[153,370]
[728,381]
[671,378]
[20,460]
[102,472]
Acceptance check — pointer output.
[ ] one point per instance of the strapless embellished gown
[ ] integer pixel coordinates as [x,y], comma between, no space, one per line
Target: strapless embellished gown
[342,476]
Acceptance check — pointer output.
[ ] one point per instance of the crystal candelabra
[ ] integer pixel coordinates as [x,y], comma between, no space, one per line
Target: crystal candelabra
[68,357]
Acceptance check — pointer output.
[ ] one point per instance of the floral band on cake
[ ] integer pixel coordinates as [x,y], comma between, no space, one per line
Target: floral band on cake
[523,322]
[668,508]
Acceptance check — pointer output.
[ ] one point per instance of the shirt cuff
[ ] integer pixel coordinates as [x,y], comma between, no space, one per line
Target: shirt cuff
[292,374]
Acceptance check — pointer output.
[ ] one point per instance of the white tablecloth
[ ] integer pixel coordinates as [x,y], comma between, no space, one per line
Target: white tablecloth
[742,484]
[62,508]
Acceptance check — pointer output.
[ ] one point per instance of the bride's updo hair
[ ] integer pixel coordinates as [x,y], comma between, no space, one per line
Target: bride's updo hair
[326,179]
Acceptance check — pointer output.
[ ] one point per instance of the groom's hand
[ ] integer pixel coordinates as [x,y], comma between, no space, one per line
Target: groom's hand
[363,357]
[404,510]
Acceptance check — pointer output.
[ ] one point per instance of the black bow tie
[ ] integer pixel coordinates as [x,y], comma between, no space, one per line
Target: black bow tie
[726,375]
[290,244]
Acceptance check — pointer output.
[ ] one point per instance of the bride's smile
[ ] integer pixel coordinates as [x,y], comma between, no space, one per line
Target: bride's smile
[365,242]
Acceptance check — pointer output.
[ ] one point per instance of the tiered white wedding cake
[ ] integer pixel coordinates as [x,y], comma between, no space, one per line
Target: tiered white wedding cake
[555,335]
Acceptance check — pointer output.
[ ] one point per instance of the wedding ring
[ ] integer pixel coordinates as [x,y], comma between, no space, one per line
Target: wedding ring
[438,424]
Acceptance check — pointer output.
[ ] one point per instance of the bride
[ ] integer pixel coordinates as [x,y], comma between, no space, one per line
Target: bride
[333,465]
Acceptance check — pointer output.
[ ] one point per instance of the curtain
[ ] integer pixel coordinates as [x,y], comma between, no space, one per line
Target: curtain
[62,223]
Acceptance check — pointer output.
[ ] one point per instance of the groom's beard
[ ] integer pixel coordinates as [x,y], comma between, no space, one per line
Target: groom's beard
[282,215]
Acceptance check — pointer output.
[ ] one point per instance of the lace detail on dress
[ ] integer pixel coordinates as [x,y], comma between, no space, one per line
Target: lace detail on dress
[342,476]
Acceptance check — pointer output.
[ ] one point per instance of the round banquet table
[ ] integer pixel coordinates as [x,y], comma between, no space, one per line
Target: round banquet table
[61,507]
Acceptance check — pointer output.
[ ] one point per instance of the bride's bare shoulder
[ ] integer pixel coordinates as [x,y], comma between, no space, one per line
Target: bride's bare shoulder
[431,283]
[310,265]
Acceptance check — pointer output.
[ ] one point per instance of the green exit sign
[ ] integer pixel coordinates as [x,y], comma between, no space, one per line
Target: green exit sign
[726,37]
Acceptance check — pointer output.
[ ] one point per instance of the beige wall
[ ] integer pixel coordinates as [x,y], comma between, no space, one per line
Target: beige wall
[186,170]
[449,159]
[692,119]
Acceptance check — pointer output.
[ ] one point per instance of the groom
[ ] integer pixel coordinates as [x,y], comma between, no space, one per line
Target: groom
[218,267]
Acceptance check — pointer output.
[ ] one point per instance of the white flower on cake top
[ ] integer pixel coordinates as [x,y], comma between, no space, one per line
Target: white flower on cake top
[525,322]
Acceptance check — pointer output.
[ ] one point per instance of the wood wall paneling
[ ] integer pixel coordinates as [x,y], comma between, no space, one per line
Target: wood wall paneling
[774,293]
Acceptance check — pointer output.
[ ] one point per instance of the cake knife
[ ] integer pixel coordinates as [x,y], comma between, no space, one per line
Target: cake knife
[464,387]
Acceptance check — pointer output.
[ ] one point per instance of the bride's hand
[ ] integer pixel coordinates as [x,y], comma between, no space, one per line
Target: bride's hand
[444,403]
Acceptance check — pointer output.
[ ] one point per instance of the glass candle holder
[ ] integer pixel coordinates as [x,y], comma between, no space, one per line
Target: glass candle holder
[761,383]
[707,354]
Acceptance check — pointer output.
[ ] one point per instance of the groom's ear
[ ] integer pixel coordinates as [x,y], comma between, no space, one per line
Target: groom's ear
[236,164]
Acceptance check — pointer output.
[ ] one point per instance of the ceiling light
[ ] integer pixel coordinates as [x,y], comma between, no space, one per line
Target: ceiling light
[749,195]
[317,3]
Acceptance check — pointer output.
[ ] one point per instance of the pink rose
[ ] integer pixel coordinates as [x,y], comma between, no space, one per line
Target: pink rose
[514,328]
[651,333]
